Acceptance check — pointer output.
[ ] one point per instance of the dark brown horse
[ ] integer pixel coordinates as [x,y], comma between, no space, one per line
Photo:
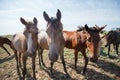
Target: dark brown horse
[113,37]
[82,39]
[3,41]
[26,44]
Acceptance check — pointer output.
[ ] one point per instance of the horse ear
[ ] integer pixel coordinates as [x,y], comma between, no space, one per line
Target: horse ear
[46,17]
[100,29]
[96,25]
[58,15]
[86,27]
[23,21]
[35,20]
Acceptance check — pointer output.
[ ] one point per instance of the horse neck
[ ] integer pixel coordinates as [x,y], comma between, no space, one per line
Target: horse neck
[7,41]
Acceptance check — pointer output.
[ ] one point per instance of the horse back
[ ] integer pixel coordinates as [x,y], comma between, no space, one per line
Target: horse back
[43,39]
[19,42]
[74,40]
[113,37]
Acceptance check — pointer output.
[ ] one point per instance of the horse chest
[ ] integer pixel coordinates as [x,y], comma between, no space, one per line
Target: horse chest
[68,44]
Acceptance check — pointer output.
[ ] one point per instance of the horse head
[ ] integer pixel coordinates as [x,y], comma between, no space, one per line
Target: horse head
[93,41]
[30,32]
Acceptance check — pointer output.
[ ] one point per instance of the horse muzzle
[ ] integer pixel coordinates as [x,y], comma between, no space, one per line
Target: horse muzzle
[53,57]
[31,53]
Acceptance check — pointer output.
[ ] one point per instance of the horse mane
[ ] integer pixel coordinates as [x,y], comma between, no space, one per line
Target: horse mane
[80,28]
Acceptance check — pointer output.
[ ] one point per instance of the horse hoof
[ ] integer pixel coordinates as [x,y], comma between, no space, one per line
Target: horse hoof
[67,75]
[116,55]
[82,73]
[34,79]
[52,75]
[76,69]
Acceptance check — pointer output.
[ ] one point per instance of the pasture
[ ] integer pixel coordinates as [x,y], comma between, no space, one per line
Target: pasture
[105,69]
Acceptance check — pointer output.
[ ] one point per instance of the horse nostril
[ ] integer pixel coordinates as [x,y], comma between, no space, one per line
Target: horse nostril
[29,54]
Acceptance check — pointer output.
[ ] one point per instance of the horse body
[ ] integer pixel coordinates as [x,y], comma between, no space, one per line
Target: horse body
[26,44]
[113,37]
[52,39]
[19,42]
[73,40]
[3,41]
[81,40]
[43,40]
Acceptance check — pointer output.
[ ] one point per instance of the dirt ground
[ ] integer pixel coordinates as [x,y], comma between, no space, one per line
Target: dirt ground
[105,69]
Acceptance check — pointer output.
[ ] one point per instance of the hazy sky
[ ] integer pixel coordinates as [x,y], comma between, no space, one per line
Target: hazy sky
[74,13]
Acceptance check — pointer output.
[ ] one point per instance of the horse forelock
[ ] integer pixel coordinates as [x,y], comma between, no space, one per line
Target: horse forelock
[55,24]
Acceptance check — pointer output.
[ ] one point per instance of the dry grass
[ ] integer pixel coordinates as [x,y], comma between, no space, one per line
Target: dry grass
[105,69]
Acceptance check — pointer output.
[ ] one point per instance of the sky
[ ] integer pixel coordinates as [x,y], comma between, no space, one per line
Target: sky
[74,13]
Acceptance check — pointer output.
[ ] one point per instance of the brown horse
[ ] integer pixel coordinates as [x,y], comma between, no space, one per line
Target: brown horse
[26,43]
[52,39]
[3,41]
[82,39]
[113,37]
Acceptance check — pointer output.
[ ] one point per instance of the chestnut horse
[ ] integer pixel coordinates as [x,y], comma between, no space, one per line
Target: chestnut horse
[113,37]
[26,44]
[3,41]
[82,39]
[52,39]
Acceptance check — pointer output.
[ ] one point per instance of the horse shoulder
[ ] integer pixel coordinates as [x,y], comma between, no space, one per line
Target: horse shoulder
[43,40]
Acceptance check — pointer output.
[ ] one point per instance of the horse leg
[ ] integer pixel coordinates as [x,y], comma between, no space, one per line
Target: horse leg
[42,58]
[33,66]
[86,61]
[76,58]
[24,58]
[6,50]
[117,45]
[20,60]
[63,61]
[108,50]
[16,58]
[39,52]
[51,68]
[40,55]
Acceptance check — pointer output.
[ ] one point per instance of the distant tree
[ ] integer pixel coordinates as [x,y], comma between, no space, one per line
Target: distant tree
[118,29]
[103,32]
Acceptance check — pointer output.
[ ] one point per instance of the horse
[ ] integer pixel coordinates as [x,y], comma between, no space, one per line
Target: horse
[82,39]
[53,40]
[26,44]
[112,37]
[3,41]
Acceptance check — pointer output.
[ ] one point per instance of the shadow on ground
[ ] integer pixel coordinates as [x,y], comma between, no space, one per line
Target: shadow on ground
[6,59]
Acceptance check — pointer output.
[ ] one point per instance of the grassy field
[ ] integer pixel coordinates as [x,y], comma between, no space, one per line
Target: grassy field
[105,69]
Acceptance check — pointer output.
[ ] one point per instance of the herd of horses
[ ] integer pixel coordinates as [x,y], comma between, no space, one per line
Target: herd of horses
[55,39]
